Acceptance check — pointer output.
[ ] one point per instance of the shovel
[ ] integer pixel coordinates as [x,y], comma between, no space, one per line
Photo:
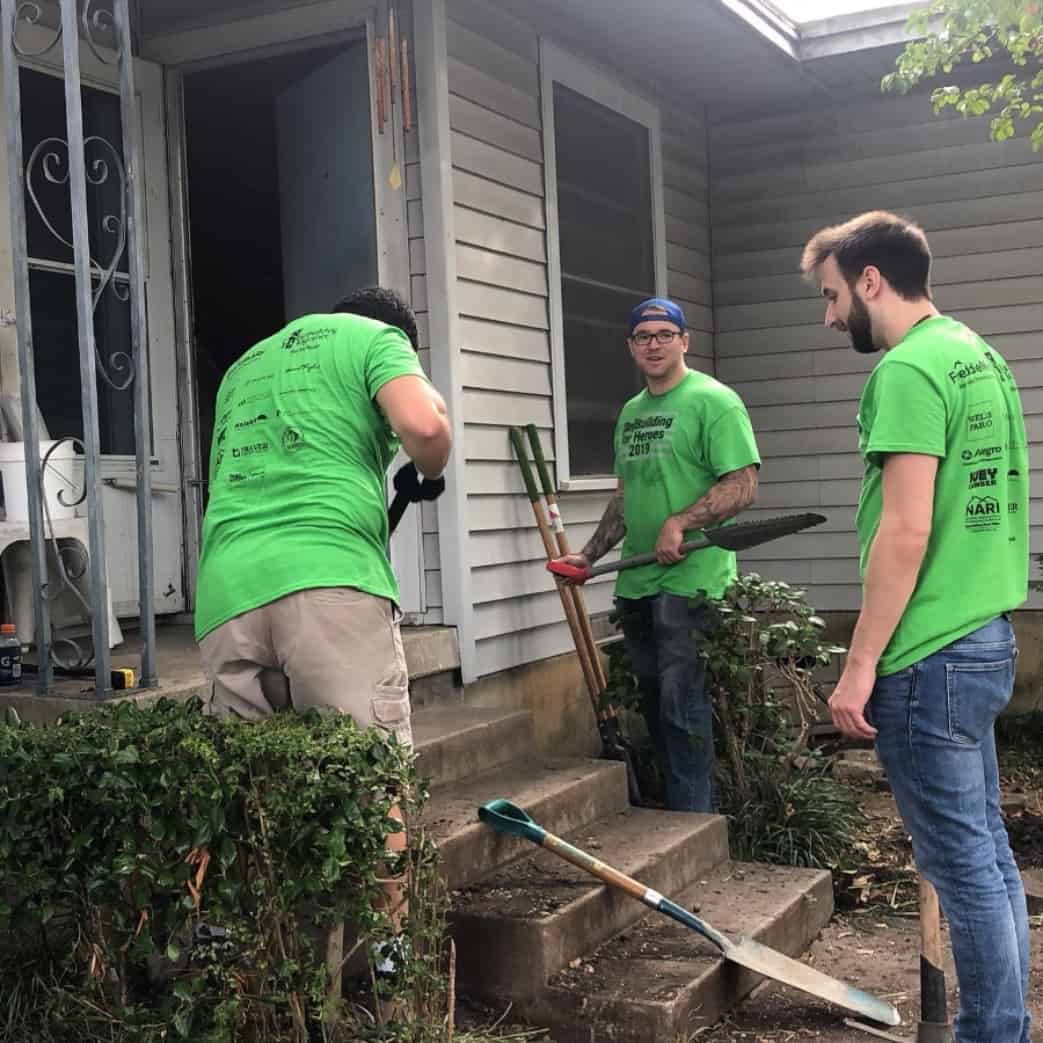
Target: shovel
[508,818]
[727,537]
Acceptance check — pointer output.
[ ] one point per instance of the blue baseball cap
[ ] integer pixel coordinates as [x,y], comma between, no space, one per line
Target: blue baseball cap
[658,308]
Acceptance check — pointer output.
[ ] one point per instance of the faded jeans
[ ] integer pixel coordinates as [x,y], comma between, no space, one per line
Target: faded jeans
[660,635]
[936,742]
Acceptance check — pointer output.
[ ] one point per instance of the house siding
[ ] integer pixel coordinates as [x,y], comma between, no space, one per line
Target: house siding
[774,182]
[502,294]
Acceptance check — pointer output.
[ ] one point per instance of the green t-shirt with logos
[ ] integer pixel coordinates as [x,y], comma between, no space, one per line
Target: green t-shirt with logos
[298,466]
[670,450]
[944,392]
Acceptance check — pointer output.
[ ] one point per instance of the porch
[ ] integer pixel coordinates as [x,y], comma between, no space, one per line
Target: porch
[431,654]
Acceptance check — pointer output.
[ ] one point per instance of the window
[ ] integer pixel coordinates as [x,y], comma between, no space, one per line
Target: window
[52,284]
[606,252]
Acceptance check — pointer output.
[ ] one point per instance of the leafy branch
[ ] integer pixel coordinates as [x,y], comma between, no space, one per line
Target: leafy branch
[955,32]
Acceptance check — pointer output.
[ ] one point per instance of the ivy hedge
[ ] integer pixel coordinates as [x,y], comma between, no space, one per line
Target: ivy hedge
[167,875]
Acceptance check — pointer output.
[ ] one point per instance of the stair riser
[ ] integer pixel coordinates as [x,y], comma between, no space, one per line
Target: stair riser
[480,849]
[515,958]
[475,750]
[726,984]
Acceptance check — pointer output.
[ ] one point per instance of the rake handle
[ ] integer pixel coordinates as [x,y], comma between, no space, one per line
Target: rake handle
[558,524]
[568,605]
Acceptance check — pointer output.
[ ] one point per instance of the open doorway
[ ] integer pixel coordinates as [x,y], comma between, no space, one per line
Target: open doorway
[282,219]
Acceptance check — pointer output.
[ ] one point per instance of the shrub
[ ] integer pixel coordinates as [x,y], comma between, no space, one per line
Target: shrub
[763,648]
[168,875]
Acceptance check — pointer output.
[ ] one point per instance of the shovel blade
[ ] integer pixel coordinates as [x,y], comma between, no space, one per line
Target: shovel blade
[744,535]
[771,964]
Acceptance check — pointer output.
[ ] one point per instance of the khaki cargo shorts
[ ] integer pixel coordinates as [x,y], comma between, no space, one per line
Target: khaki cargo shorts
[332,648]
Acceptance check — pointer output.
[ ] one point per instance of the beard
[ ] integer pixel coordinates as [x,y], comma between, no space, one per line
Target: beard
[860,327]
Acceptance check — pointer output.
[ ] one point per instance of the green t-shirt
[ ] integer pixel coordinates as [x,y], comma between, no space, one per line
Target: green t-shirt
[298,466]
[944,392]
[670,449]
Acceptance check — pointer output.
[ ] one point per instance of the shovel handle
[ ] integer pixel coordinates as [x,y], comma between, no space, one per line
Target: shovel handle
[580,575]
[932,972]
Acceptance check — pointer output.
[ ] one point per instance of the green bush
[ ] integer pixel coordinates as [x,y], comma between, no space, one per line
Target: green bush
[168,875]
[762,650]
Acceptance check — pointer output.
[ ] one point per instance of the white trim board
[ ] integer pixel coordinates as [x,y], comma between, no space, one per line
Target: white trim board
[559,66]
[432,88]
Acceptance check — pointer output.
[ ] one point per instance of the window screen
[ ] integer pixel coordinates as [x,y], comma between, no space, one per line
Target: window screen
[607,252]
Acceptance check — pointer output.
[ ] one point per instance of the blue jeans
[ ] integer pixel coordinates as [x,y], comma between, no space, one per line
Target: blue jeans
[935,739]
[661,638]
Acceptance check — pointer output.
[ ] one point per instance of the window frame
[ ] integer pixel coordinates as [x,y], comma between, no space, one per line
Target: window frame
[559,66]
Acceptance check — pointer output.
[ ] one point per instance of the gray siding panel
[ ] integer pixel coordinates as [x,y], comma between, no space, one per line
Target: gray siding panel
[502,296]
[776,181]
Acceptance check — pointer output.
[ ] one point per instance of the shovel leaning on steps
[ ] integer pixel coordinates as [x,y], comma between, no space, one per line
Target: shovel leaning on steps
[506,817]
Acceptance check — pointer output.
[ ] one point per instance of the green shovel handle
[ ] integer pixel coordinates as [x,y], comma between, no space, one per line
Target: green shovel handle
[518,441]
[506,817]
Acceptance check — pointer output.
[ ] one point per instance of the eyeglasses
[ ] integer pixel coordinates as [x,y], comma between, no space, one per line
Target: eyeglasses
[642,340]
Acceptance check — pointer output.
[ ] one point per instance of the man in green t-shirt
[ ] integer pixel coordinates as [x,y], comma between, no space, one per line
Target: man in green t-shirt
[943,530]
[686,459]
[296,602]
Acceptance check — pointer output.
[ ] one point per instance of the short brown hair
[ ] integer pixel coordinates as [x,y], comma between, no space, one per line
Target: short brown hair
[894,245]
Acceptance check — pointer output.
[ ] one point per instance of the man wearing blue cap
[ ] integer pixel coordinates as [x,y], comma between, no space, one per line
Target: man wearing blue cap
[686,459]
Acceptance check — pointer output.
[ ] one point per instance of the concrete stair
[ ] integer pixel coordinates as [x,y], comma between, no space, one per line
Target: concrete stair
[567,952]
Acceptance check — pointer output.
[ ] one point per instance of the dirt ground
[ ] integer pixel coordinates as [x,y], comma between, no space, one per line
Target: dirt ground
[875,943]
[878,953]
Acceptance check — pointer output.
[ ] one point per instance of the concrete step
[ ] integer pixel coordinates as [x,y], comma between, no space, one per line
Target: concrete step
[563,794]
[433,660]
[515,928]
[657,981]
[455,742]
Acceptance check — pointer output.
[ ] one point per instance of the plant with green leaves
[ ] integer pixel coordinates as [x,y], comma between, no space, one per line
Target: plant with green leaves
[167,875]
[956,32]
[763,646]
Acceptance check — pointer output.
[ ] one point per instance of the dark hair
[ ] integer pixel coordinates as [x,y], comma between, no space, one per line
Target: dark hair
[897,247]
[378,302]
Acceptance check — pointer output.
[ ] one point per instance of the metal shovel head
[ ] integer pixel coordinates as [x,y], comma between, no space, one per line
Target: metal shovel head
[759,958]
[752,534]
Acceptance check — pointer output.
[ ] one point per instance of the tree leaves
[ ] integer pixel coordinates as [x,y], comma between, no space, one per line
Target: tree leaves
[954,32]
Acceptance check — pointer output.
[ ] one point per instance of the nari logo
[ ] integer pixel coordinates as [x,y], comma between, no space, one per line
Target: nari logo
[982,506]
[982,514]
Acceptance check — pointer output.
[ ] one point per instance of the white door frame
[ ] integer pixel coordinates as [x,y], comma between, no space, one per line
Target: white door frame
[249,39]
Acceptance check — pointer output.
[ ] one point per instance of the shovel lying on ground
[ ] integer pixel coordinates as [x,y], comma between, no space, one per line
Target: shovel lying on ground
[508,818]
[727,537]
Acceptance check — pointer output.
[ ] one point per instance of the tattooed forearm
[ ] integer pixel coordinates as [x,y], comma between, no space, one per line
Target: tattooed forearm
[733,492]
[610,529]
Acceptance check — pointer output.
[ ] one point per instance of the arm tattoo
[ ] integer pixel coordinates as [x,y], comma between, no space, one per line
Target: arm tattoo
[734,492]
[610,530]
